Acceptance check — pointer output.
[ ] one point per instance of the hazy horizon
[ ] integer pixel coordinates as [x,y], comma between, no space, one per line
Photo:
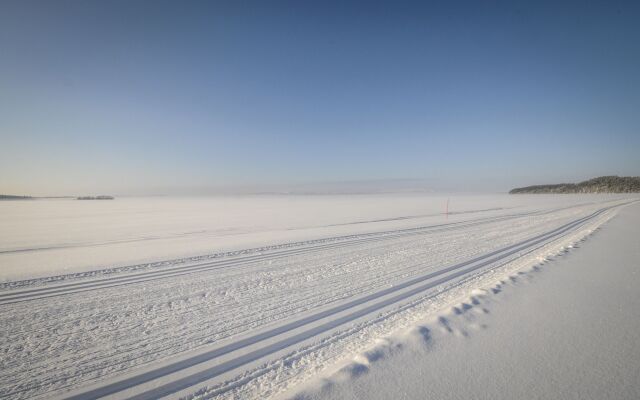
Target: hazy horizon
[372,187]
[125,98]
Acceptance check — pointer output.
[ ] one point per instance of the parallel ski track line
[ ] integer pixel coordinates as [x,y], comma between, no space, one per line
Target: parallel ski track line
[75,287]
[457,271]
[15,287]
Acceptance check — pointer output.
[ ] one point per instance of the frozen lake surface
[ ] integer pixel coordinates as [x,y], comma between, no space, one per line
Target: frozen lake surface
[49,236]
[252,296]
[566,329]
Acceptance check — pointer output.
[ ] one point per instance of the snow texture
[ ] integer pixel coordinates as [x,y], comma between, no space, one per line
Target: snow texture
[569,328]
[291,286]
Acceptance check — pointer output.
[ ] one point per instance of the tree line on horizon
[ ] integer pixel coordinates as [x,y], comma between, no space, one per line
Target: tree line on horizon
[12,197]
[602,184]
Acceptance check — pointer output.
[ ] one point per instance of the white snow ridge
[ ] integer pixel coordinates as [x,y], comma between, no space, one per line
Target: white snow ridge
[399,303]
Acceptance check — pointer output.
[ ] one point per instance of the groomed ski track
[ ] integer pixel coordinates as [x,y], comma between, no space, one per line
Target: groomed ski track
[263,254]
[235,354]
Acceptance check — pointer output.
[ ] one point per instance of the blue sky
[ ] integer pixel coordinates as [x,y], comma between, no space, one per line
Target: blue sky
[162,97]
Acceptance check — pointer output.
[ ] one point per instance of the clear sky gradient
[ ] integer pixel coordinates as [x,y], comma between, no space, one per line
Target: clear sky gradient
[161,97]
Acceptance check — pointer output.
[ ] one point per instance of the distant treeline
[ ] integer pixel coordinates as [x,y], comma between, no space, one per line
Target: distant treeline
[603,184]
[95,198]
[11,197]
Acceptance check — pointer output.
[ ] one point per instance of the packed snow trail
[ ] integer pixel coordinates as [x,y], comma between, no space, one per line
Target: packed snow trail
[176,329]
[565,328]
[229,365]
[263,255]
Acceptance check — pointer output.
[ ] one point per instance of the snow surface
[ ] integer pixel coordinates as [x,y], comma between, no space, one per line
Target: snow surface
[565,329]
[263,294]
[49,236]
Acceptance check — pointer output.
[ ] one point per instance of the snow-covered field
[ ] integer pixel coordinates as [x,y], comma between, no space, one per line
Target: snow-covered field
[564,329]
[248,297]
